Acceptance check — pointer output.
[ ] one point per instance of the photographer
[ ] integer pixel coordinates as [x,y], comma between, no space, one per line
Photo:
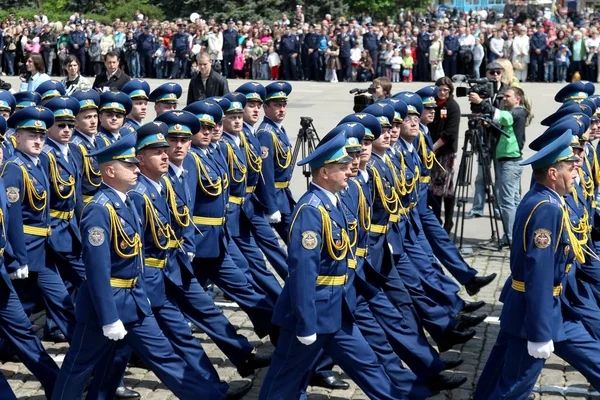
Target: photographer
[494,72]
[507,152]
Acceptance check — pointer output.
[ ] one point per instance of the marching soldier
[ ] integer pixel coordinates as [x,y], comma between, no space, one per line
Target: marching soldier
[112,303]
[165,97]
[138,91]
[262,233]
[113,108]
[49,90]
[273,190]
[7,107]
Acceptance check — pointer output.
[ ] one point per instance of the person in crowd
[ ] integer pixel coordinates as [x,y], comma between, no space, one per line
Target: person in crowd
[207,83]
[74,81]
[35,73]
[113,78]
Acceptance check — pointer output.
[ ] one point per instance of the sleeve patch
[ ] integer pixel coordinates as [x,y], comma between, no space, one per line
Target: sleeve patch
[96,236]
[309,240]
[12,194]
[264,152]
[542,238]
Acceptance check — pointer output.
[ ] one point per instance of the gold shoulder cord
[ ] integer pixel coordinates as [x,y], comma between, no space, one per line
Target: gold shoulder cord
[391,202]
[281,153]
[182,218]
[118,232]
[587,185]
[327,235]
[214,188]
[88,168]
[409,186]
[364,211]
[106,141]
[254,160]
[427,157]
[13,139]
[31,193]
[596,167]
[583,229]
[57,181]
[398,182]
[232,160]
[576,245]
[153,220]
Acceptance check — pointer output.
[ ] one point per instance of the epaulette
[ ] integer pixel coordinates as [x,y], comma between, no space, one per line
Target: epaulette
[47,149]
[17,161]
[371,163]
[76,140]
[553,200]
[102,199]
[314,201]
[138,188]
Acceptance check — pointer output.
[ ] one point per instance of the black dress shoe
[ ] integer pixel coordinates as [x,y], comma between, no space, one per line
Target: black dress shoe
[332,382]
[274,335]
[445,382]
[455,337]
[469,321]
[474,285]
[236,392]
[253,362]
[195,329]
[124,393]
[472,306]
[56,338]
[450,363]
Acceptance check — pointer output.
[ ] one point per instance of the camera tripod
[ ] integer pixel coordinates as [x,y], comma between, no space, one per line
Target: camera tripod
[306,142]
[475,143]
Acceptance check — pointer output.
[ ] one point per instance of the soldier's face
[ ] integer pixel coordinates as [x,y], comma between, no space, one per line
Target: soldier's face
[395,132]
[251,112]
[410,128]
[203,138]
[428,115]
[276,110]
[125,174]
[111,121]
[233,123]
[162,107]
[354,163]
[178,149]
[138,111]
[336,176]
[217,131]
[5,114]
[86,122]
[61,131]
[366,149]
[29,142]
[578,153]
[564,176]
[155,161]
[383,141]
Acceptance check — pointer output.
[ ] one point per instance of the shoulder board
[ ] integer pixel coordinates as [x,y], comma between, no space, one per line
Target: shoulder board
[371,163]
[553,200]
[47,149]
[102,199]
[17,161]
[138,188]
[76,140]
[314,201]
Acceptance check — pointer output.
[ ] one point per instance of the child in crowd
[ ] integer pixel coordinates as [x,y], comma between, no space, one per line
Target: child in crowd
[257,53]
[355,54]
[562,63]
[407,65]
[549,56]
[238,62]
[389,53]
[396,62]
[381,59]
[274,62]
[264,63]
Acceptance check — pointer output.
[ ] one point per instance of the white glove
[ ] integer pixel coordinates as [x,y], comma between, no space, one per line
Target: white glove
[115,331]
[307,340]
[275,217]
[191,256]
[21,273]
[540,349]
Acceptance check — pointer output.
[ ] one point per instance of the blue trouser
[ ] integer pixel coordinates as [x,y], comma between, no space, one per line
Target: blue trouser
[177,331]
[268,243]
[283,227]
[146,338]
[257,268]
[16,329]
[511,373]
[146,64]
[180,66]
[289,67]
[224,273]
[198,307]
[508,187]
[549,71]
[439,244]
[133,65]
[293,360]
[346,69]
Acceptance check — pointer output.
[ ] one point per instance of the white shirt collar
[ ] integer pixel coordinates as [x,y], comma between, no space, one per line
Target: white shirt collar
[250,127]
[33,159]
[377,155]
[121,195]
[364,175]
[156,185]
[329,195]
[89,138]
[63,149]
[178,171]
[277,124]
[236,138]
[409,145]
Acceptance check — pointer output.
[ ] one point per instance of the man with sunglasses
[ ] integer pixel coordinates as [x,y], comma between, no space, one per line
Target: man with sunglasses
[494,72]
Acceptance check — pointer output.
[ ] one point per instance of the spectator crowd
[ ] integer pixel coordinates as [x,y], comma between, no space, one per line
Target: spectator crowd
[547,47]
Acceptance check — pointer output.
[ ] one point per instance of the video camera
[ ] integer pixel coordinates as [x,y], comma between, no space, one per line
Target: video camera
[481,86]
[362,98]
[306,122]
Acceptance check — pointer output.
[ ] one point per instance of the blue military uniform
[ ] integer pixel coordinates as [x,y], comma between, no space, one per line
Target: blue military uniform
[533,309]
[181,283]
[78,38]
[346,43]
[145,48]
[7,104]
[81,145]
[317,300]
[288,46]
[371,44]
[537,42]
[136,89]
[117,102]
[114,290]
[16,326]
[230,42]
[575,91]
[311,69]
[29,194]
[262,233]
[273,191]
[181,46]
[451,44]
[209,198]
[166,93]
[49,90]
[422,68]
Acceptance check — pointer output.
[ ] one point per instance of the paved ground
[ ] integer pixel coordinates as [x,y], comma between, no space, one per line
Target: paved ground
[327,104]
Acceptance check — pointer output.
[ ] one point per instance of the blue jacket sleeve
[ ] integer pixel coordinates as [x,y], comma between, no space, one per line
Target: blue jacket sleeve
[266,192]
[13,181]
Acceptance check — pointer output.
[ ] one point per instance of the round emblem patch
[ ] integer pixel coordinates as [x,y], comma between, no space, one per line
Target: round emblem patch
[12,194]
[160,136]
[309,240]
[177,127]
[96,236]
[123,245]
[567,250]
[264,152]
[542,238]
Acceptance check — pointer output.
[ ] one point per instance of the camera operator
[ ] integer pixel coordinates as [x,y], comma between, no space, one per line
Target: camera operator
[507,152]
[494,72]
